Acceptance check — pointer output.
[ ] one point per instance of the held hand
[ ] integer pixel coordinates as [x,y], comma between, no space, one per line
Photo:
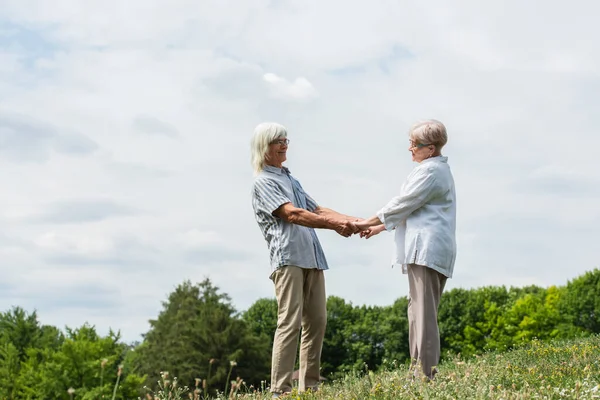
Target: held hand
[345,228]
[372,231]
[359,225]
[355,228]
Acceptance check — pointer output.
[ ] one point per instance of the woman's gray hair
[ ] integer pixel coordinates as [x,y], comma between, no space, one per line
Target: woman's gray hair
[264,134]
[429,132]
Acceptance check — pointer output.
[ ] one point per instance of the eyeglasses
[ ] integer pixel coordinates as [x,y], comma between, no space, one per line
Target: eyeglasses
[418,145]
[281,142]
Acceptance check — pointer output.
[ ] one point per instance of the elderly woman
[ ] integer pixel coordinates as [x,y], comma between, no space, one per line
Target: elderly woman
[424,218]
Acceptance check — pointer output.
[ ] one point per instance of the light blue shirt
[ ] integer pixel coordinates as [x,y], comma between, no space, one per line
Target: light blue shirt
[424,217]
[289,244]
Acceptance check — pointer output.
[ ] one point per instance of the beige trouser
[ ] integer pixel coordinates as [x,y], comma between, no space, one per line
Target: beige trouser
[426,286]
[301,302]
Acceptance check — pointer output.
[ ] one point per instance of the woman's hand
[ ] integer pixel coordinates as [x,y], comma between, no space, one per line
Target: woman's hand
[372,231]
[360,225]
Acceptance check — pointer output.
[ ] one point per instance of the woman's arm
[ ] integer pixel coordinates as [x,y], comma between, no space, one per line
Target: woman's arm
[370,232]
[418,190]
[367,223]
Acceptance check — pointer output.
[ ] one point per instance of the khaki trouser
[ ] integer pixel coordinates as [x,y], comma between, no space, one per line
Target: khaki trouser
[301,302]
[426,286]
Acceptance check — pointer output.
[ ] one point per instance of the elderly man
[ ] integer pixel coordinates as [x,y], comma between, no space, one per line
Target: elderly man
[287,216]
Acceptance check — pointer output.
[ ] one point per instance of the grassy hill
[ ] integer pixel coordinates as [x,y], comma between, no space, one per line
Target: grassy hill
[552,370]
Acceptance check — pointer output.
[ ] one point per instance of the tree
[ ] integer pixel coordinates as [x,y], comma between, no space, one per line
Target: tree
[19,332]
[85,362]
[21,329]
[395,331]
[198,324]
[335,357]
[9,370]
[261,319]
[581,301]
[466,318]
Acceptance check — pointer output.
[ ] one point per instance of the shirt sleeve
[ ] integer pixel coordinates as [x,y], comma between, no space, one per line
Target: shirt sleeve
[269,195]
[419,189]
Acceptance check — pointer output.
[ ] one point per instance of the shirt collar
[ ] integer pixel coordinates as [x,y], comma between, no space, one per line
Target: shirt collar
[443,159]
[275,170]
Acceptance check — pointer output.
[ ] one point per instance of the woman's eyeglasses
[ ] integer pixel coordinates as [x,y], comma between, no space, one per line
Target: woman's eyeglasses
[418,145]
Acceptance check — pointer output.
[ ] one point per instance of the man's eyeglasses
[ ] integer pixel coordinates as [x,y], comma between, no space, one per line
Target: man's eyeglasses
[281,142]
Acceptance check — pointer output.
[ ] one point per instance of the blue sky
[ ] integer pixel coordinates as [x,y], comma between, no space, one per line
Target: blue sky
[125,130]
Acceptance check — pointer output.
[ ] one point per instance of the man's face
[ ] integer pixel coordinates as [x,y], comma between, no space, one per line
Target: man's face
[277,153]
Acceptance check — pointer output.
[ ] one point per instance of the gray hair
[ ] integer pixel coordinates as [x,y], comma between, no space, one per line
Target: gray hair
[264,134]
[429,132]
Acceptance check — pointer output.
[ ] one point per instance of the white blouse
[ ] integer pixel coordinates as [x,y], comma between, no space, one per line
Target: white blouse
[424,217]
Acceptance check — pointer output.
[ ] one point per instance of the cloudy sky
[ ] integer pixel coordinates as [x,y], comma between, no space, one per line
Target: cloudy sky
[125,129]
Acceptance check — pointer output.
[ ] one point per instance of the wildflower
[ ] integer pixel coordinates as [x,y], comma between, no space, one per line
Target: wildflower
[71,391]
[232,363]
[104,362]
[197,381]
[120,370]
[211,361]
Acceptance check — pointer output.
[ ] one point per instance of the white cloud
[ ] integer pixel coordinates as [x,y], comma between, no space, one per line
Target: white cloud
[516,85]
[300,89]
[195,238]
[78,244]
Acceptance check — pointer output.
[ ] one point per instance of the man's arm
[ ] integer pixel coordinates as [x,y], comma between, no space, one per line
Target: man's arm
[328,212]
[300,216]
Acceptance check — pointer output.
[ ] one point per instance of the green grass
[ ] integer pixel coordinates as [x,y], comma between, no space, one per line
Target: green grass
[553,370]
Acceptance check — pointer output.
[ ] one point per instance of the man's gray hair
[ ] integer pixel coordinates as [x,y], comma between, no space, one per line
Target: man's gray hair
[264,134]
[429,132]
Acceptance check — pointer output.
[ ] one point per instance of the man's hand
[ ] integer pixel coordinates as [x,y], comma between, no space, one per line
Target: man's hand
[346,228]
[370,232]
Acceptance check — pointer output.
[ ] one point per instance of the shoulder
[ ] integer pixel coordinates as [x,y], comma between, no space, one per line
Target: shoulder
[261,179]
[433,167]
[431,173]
[265,182]
[424,170]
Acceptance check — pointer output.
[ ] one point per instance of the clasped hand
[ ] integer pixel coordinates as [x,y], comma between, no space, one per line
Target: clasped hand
[349,228]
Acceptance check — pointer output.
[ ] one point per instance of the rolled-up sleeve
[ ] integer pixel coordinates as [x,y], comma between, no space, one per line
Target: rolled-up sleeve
[269,195]
[419,188]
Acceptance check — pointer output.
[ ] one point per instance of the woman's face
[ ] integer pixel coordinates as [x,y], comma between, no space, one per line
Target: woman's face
[420,151]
